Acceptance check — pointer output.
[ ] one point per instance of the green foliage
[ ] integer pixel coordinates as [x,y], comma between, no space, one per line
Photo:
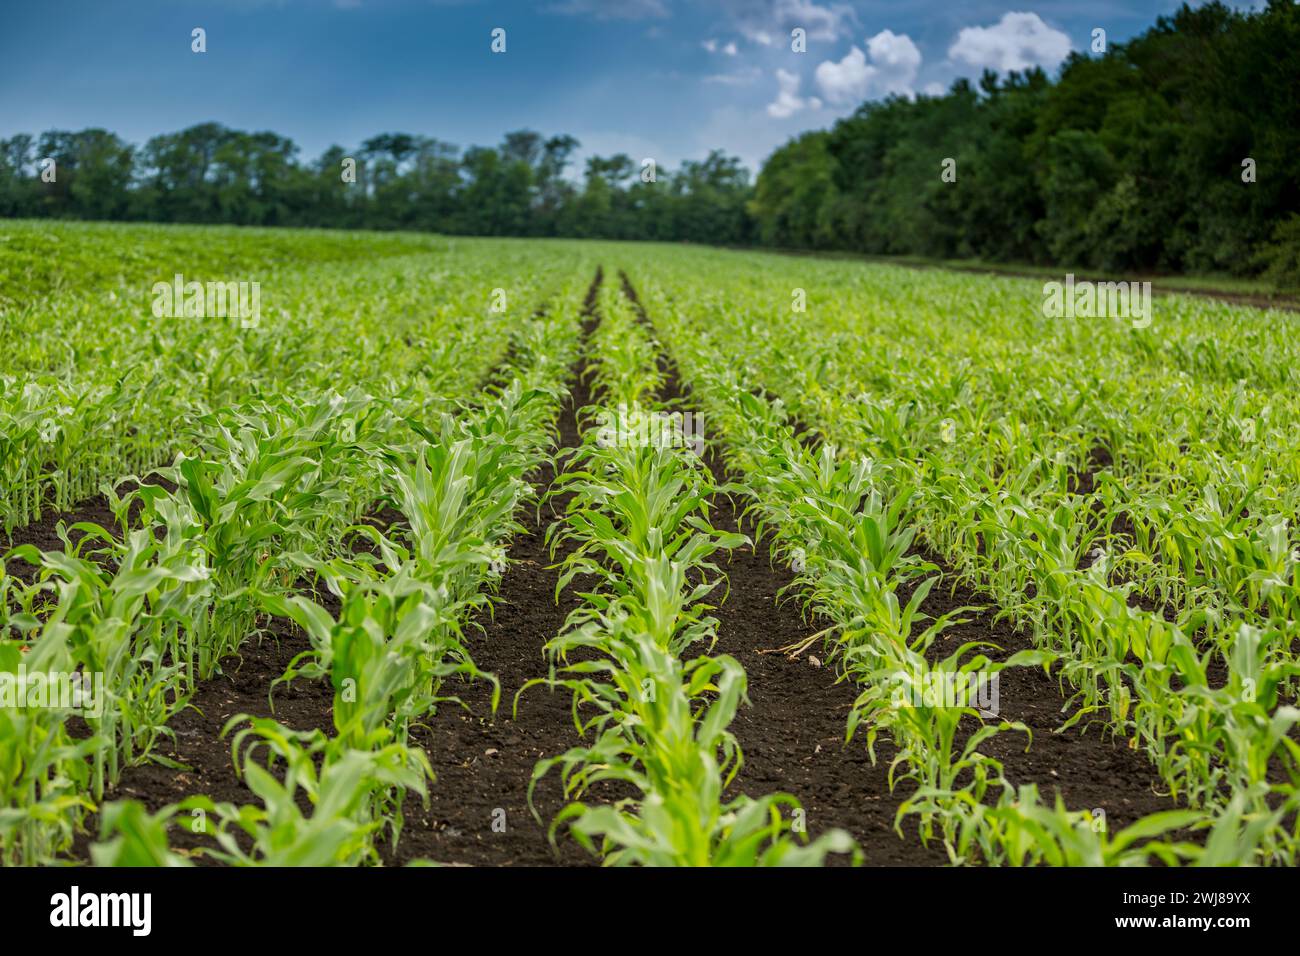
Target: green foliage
[261,503]
[1281,256]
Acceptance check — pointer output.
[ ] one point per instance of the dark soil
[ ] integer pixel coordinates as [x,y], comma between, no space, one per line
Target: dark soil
[792,734]
[44,534]
[792,731]
[478,813]
[242,688]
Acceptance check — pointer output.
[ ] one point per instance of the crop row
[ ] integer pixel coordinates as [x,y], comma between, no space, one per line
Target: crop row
[656,712]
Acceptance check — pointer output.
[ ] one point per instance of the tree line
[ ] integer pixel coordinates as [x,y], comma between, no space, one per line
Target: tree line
[209,173]
[1178,151]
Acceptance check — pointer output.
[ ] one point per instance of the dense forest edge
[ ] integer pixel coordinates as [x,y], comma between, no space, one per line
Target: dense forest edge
[1177,152]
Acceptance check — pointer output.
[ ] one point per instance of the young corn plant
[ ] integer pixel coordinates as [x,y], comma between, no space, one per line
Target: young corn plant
[660,729]
[45,772]
[396,639]
[353,796]
[1020,830]
[129,835]
[117,617]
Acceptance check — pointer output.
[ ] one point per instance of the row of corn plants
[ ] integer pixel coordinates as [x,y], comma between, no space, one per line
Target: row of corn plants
[1208,696]
[1005,451]
[152,609]
[654,710]
[1015,403]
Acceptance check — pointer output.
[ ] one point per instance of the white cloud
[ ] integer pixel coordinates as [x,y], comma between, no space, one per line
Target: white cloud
[730,49]
[759,20]
[710,45]
[896,59]
[788,101]
[933,89]
[1016,42]
[894,62]
[848,79]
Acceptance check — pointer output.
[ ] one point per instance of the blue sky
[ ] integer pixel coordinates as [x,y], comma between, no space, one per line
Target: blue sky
[653,78]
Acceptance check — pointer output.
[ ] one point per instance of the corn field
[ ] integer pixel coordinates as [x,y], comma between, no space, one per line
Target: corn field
[541,551]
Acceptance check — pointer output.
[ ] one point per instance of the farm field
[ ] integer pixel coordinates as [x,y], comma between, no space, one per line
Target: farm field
[533,552]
